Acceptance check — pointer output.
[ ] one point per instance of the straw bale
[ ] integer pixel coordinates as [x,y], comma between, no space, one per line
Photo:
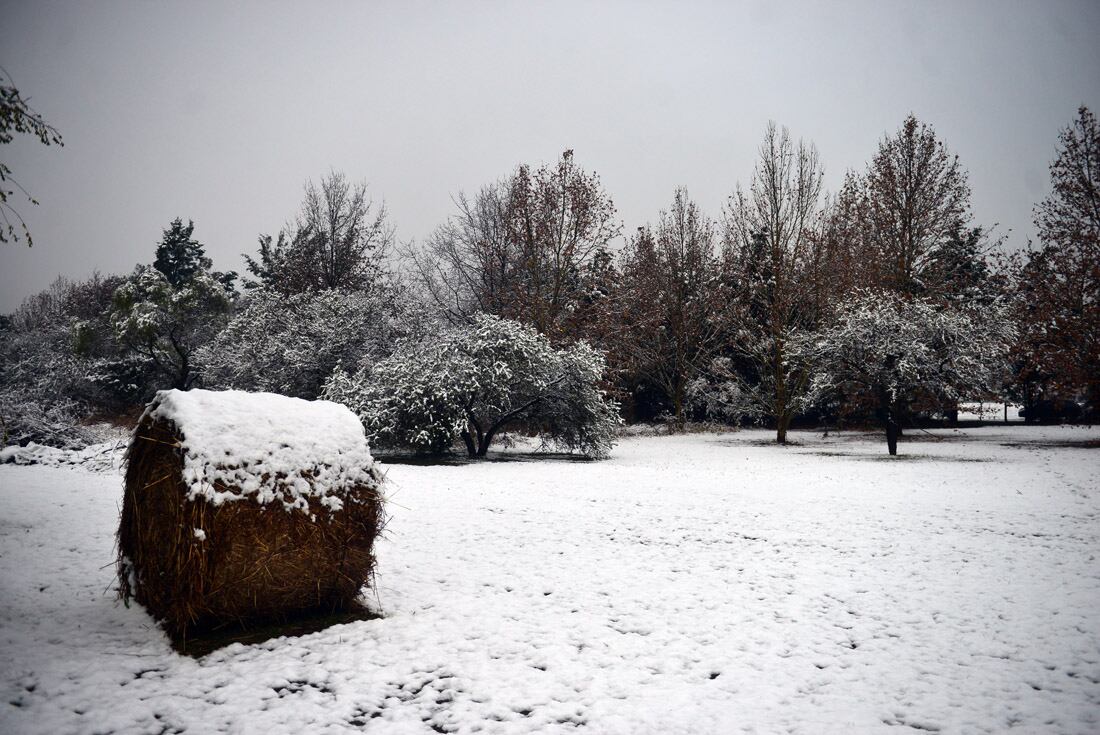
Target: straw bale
[197,562]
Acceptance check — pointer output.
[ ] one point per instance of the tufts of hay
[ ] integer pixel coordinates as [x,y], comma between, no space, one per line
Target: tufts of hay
[249,562]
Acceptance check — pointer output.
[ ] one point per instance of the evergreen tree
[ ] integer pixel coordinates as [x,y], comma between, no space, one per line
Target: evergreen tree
[179,255]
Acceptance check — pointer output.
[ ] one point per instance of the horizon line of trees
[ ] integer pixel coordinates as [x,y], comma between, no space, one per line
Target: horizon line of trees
[882,302]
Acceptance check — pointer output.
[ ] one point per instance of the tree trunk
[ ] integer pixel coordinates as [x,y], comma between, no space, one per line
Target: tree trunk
[468,440]
[782,399]
[678,405]
[782,423]
[484,440]
[782,417]
[891,433]
[888,411]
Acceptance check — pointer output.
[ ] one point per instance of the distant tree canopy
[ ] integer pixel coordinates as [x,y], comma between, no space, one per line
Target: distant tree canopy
[669,304]
[524,307]
[338,240]
[291,343]
[520,248]
[17,117]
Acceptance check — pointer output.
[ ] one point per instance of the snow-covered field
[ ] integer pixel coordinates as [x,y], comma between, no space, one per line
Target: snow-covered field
[696,584]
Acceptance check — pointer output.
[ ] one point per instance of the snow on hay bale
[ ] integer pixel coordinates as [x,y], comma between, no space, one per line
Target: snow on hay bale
[243,507]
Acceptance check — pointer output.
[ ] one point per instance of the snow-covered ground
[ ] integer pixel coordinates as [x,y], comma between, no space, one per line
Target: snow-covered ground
[695,584]
[974,411]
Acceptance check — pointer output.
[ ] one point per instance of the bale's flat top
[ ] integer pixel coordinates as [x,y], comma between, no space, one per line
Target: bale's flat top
[266,447]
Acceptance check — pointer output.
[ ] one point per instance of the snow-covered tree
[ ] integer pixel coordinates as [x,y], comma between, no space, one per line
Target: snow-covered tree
[163,313]
[165,324]
[900,350]
[55,423]
[728,393]
[179,255]
[57,351]
[39,374]
[473,382]
[291,343]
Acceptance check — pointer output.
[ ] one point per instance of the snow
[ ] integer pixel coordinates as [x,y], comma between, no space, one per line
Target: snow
[975,411]
[266,447]
[96,457]
[707,583]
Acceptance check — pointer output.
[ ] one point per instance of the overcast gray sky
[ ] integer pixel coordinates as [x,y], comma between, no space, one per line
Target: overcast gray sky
[219,112]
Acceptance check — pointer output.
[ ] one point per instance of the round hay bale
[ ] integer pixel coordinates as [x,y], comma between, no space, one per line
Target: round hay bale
[246,507]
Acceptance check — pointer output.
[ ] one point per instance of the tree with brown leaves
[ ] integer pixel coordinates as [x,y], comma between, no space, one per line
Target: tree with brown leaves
[668,307]
[918,198]
[1058,284]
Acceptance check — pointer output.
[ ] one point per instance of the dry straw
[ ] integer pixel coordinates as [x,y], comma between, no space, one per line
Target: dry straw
[251,563]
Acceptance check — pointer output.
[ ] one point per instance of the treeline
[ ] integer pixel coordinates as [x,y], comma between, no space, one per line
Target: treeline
[884,301]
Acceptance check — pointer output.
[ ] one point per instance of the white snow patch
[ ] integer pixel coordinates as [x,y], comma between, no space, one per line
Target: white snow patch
[975,411]
[102,457]
[266,447]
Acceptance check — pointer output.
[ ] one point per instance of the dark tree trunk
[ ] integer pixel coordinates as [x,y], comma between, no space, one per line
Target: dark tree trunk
[888,411]
[473,437]
[483,442]
[782,423]
[471,448]
[678,405]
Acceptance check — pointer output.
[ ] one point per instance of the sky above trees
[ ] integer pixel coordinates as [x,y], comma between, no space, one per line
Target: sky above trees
[219,114]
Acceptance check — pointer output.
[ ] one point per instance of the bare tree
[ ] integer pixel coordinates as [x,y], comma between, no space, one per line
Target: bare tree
[349,240]
[519,248]
[339,240]
[560,219]
[769,241]
[466,265]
